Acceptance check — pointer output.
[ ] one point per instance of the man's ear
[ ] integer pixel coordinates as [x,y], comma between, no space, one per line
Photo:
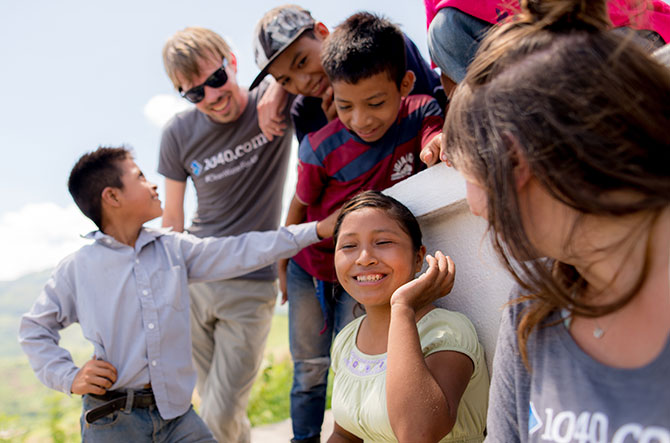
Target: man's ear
[232,62]
[407,83]
[110,196]
[320,30]
[420,255]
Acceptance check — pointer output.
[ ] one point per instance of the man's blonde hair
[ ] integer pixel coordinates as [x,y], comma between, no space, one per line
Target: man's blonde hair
[185,48]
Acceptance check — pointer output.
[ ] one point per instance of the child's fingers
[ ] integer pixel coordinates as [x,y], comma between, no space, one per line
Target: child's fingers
[432,272]
[101,382]
[451,273]
[92,388]
[446,271]
[101,366]
[451,267]
[104,372]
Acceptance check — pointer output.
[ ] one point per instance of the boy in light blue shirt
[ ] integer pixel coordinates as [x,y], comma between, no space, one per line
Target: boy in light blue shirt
[128,291]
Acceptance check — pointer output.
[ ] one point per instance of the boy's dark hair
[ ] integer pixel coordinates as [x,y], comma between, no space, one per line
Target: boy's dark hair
[92,173]
[362,46]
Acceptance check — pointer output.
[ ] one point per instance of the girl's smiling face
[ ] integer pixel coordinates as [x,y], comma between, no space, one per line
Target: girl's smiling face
[374,256]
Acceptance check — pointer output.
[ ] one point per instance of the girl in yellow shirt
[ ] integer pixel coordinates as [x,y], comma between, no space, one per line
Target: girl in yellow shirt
[405,371]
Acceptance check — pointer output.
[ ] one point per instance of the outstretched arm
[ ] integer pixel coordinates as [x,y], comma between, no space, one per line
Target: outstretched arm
[219,258]
[422,394]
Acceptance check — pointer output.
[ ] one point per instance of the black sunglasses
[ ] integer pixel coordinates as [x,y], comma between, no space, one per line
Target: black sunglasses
[216,80]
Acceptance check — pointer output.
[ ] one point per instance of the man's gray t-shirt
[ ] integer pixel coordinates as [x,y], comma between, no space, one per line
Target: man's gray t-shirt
[570,397]
[238,174]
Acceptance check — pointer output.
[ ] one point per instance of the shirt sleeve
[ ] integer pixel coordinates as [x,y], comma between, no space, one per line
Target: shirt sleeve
[432,123]
[219,258]
[39,335]
[312,176]
[503,421]
[169,161]
[443,330]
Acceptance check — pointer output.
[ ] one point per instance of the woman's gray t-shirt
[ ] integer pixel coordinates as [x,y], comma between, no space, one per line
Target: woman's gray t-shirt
[569,396]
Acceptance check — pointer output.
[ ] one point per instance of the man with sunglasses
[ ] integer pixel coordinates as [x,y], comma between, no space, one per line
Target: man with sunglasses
[239,176]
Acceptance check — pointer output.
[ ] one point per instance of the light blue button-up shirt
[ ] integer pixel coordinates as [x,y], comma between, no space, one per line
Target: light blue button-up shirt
[133,305]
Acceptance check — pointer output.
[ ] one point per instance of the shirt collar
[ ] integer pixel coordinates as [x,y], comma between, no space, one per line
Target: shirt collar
[147,235]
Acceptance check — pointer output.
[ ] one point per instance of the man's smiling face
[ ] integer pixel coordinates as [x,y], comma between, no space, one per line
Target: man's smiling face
[224,104]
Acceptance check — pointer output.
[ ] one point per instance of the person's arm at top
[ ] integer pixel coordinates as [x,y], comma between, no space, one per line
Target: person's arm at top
[297,212]
[173,214]
[423,408]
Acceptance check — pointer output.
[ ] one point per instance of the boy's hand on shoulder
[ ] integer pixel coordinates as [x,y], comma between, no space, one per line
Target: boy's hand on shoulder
[430,154]
[328,104]
[270,110]
[326,227]
[436,282]
[95,377]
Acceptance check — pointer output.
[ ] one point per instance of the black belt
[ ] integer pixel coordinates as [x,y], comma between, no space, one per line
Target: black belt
[116,401]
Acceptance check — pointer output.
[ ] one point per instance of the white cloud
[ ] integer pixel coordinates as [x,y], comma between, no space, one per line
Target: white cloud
[160,108]
[38,236]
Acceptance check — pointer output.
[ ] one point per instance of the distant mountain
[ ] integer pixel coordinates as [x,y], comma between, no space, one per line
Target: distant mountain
[16,298]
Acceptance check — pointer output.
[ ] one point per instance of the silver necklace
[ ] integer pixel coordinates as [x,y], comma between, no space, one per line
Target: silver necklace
[598,331]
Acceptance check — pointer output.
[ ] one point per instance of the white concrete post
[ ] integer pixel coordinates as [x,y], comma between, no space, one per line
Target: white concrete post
[437,198]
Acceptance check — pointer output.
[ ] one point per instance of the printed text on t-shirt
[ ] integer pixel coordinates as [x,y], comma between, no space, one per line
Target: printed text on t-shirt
[236,153]
[589,427]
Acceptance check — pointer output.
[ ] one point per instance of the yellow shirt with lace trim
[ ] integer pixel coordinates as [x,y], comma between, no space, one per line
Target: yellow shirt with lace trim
[359,388]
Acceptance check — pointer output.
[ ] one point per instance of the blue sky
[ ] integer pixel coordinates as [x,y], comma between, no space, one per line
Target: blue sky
[78,74]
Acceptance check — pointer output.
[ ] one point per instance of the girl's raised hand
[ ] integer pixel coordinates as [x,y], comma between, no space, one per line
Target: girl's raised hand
[437,281]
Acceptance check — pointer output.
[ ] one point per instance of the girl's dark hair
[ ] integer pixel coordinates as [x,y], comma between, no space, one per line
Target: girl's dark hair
[392,207]
[589,112]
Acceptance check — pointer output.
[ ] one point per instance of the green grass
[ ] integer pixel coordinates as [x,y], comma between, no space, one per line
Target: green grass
[30,412]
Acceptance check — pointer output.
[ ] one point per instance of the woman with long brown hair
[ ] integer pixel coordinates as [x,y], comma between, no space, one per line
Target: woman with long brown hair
[561,130]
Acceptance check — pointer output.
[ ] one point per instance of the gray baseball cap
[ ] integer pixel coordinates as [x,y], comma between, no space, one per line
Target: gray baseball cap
[275,32]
